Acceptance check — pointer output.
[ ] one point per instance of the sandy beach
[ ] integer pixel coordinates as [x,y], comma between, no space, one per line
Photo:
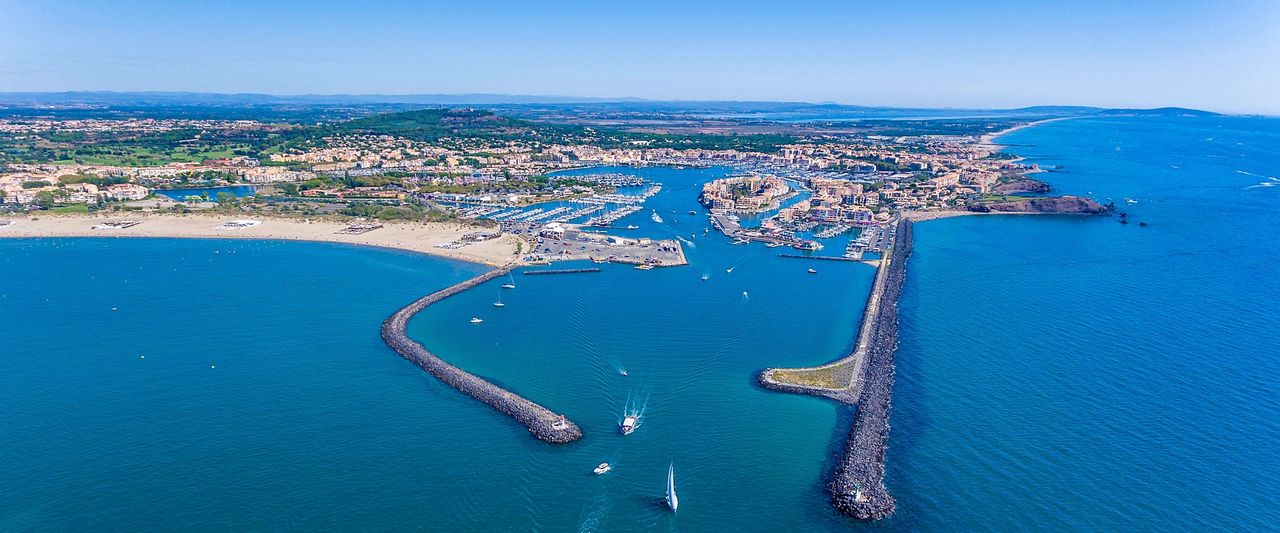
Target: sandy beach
[412,236]
[989,139]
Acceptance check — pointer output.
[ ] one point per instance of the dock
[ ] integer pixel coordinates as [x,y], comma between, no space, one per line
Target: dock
[559,271]
[821,257]
[544,424]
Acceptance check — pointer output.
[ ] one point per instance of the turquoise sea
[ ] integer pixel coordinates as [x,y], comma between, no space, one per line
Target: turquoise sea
[1054,372]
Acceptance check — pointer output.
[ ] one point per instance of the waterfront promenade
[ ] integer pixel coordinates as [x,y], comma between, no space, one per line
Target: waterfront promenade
[542,422]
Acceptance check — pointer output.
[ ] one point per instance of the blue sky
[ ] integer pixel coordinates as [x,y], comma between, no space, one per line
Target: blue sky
[1222,56]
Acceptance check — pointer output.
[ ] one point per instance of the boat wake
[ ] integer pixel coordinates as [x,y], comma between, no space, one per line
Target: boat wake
[591,522]
[1271,181]
[635,408]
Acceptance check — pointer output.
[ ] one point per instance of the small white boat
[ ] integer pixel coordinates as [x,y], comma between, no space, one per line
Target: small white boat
[705,277]
[623,372]
[475,320]
[633,226]
[645,266]
[672,501]
[729,270]
[499,302]
[604,467]
[629,424]
[511,284]
[744,294]
[655,216]
[812,271]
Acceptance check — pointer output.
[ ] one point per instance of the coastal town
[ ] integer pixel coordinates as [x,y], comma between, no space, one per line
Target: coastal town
[510,182]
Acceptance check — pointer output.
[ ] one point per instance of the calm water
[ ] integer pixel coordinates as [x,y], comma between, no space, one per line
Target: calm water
[1079,374]
[208,192]
[1054,372]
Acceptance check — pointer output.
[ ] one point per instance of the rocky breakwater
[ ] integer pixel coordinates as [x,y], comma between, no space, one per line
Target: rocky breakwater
[858,488]
[543,423]
[1047,204]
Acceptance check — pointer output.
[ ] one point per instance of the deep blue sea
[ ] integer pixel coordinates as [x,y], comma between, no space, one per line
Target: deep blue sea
[1054,372]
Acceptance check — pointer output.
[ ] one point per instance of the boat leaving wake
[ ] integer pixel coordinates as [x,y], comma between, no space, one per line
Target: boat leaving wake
[634,411]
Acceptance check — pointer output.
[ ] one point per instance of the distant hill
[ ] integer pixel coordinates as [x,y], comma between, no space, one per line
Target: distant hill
[1160,112]
[110,98]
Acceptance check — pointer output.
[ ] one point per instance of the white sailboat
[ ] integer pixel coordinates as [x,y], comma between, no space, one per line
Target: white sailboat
[672,501]
[499,302]
[510,285]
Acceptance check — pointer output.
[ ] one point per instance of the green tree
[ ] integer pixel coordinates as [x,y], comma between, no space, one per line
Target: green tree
[44,199]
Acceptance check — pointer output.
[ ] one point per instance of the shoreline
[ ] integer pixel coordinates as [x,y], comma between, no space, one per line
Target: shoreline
[925,216]
[989,139]
[419,237]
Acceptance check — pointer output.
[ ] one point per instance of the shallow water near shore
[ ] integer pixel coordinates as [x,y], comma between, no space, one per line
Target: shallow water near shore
[1054,372]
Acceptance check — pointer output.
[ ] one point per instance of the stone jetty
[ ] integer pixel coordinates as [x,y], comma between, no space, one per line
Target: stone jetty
[865,378]
[542,422]
[858,488]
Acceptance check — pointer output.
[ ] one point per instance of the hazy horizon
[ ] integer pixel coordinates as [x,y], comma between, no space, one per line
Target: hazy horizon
[968,55]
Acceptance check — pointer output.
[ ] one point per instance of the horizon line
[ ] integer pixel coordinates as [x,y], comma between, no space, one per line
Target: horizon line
[572,99]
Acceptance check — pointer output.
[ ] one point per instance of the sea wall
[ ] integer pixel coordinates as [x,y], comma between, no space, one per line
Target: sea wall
[543,423]
[858,488]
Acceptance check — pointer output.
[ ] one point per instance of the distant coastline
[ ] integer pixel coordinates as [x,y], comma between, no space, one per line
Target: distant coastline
[989,139]
[414,237]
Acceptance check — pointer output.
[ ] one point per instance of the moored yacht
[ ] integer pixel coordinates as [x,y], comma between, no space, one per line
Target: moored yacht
[604,467]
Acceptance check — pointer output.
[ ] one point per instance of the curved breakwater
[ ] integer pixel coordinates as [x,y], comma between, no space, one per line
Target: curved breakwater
[858,488]
[542,422]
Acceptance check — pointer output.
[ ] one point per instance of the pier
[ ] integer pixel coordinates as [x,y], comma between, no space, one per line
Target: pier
[865,377]
[542,422]
[821,257]
[560,271]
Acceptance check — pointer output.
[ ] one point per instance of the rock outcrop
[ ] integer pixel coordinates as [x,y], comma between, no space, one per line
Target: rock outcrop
[1048,204]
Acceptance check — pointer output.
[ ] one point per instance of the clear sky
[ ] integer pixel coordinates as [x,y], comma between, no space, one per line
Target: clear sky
[1220,55]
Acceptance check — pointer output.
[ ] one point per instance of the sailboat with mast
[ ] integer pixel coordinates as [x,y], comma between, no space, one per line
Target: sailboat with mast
[672,501]
[499,302]
[511,284]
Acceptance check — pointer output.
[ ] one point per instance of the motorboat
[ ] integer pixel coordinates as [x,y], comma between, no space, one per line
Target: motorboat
[603,468]
[476,320]
[629,424]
